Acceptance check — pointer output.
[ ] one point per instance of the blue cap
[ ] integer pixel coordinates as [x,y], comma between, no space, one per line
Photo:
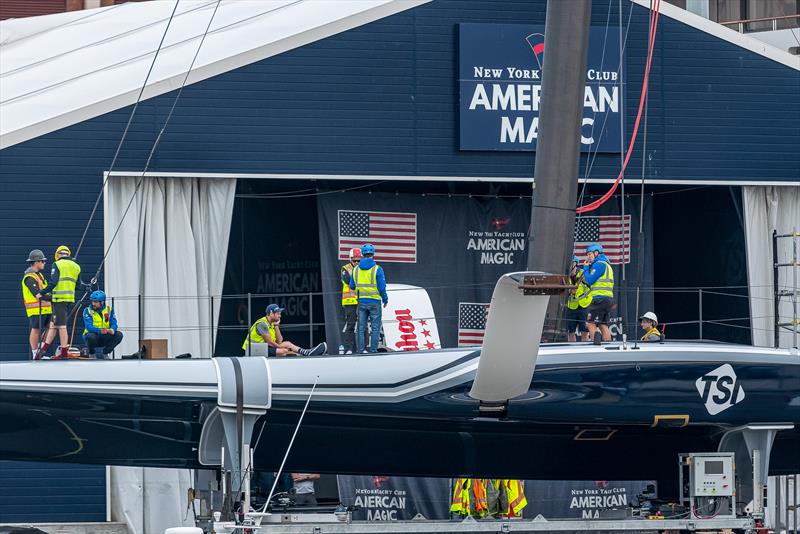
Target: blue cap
[595,247]
[575,259]
[97,296]
[274,308]
[367,248]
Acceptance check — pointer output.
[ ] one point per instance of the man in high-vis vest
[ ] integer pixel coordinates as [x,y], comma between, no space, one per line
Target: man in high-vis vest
[100,326]
[649,323]
[64,278]
[267,330]
[36,297]
[577,302]
[599,276]
[369,283]
[349,302]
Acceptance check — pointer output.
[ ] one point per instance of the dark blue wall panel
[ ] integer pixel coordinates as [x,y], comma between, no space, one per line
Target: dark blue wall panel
[382,99]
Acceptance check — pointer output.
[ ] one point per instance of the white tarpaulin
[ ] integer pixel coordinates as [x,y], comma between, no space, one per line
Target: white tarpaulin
[767,209]
[63,69]
[171,249]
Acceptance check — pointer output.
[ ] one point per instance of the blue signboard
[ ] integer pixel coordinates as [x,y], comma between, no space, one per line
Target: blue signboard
[500,70]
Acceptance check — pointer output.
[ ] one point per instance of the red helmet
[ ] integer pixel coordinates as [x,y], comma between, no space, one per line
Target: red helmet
[355,253]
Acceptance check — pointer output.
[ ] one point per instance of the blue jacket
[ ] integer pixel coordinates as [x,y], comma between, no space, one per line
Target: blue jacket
[366,264]
[592,273]
[89,324]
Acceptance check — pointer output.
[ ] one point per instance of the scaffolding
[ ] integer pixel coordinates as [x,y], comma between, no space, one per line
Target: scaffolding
[780,268]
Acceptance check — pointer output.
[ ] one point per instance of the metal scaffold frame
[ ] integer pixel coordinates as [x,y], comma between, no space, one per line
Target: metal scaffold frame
[794,264]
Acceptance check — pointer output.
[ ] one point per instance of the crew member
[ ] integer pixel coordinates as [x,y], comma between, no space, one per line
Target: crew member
[267,330]
[349,302]
[577,302]
[369,283]
[649,323]
[37,303]
[64,278]
[100,325]
[304,489]
[599,276]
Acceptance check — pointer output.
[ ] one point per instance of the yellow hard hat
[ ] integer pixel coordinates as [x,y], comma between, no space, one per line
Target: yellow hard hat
[63,250]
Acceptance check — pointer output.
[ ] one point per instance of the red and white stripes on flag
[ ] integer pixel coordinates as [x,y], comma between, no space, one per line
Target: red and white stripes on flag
[613,232]
[393,234]
[471,323]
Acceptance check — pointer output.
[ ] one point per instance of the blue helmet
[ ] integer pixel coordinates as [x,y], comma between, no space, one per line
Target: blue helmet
[367,248]
[595,247]
[575,259]
[97,296]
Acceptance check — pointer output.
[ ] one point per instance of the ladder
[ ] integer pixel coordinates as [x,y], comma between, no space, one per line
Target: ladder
[794,264]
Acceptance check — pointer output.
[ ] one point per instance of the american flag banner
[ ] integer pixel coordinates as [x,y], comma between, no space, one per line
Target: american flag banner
[393,234]
[471,323]
[613,232]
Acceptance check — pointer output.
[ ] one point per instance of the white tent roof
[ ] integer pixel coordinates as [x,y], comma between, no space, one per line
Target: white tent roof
[58,70]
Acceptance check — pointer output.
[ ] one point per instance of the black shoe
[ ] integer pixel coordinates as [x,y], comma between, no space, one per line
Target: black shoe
[320,349]
[304,352]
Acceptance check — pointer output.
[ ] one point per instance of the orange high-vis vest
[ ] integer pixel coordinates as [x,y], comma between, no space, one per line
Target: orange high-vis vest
[349,297]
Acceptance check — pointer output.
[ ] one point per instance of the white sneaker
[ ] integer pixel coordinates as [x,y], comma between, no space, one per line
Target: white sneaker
[349,352]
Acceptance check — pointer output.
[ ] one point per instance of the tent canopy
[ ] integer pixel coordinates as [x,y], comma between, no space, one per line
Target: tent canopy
[58,70]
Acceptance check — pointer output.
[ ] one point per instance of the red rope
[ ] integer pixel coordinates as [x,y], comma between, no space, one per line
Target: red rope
[602,200]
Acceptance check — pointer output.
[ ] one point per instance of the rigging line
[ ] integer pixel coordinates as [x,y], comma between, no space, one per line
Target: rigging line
[102,41]
[291,442]
[318,193]
[158,140]
[591,155]
[60,26]
[140,56]
[125,131]
[610,192]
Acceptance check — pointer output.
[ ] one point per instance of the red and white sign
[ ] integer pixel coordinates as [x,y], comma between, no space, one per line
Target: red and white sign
[408,321]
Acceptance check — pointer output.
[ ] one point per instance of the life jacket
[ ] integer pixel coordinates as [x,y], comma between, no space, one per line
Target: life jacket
[603,286]
[100,318]
[34,307]
[68,273]
[367,283]
[349,297]
[255,337]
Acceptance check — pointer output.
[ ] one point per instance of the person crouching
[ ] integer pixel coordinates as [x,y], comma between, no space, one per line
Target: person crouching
[100,325]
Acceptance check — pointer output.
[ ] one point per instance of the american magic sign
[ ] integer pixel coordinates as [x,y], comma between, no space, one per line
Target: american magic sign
[500,77]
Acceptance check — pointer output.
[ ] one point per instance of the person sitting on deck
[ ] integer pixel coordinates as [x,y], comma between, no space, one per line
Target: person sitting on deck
[267,330]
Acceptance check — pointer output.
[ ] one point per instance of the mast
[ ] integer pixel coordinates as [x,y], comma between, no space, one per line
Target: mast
[555,188]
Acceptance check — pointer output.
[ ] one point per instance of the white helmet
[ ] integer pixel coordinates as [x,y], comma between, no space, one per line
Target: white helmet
[650,316]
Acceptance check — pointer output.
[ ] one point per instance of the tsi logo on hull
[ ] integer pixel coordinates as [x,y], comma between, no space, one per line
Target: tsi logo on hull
[719,389]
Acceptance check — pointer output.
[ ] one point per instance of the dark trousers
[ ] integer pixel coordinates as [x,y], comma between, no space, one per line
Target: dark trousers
[106,341]
[349,329]
[305,499]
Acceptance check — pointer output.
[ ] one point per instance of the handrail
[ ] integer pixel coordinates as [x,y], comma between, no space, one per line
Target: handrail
[742,24]
[763,19]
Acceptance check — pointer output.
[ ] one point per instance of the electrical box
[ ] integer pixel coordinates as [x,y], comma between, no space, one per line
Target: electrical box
[708,485]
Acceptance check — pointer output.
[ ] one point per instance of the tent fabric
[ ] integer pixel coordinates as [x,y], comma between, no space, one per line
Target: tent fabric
[63,69]
[167,250]
[767,209]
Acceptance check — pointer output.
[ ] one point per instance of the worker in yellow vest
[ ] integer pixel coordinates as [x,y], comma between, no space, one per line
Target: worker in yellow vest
[267,330]
[36,297]
[599,276]
[100,326]
[577,302]
[64,278]
[349,302]
[649,323]
[369,283]
[469,498]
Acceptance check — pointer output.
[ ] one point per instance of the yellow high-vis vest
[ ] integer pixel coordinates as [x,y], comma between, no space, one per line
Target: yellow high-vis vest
[581,297]
[516,497]
[100,319]
[603,286]
[367,283]
[255,337]
[68,273]
[349,297]
[32,306]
